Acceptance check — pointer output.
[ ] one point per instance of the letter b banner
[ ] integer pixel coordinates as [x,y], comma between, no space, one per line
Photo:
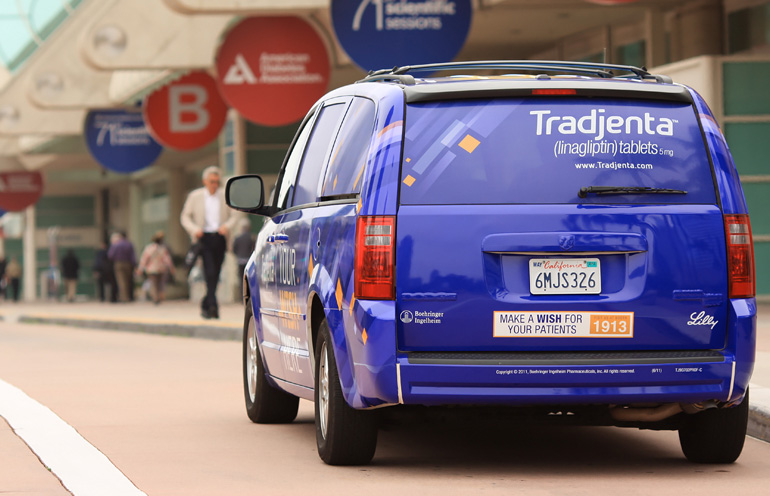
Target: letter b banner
[187,113]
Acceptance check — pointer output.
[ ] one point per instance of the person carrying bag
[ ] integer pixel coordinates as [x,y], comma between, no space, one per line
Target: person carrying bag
[156,264]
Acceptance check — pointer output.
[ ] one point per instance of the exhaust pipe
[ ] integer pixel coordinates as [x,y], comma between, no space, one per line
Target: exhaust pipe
[637,414]
[658,413]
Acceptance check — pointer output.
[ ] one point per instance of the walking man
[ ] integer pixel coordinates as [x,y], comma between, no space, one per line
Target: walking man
[123,258]
[208,221]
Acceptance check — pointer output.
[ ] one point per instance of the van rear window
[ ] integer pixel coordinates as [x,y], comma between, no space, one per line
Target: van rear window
[544,150]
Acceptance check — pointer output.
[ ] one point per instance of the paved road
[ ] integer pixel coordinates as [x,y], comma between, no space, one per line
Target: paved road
[168,413]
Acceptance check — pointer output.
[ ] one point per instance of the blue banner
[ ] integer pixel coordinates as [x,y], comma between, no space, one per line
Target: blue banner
[380,34]
[119,141]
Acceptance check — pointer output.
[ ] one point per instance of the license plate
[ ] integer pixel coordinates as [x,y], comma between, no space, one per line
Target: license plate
[565,276]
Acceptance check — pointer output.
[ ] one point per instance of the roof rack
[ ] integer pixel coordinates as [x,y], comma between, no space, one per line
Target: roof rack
[542,66]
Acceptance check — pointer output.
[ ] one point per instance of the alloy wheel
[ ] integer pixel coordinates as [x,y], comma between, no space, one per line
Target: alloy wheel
[323,393]
[251,361]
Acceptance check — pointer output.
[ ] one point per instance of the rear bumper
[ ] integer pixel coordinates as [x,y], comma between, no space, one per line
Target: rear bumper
[585,378]
[384,376]
[532,379]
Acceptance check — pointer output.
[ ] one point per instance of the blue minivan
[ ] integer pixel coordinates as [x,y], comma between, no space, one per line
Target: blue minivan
[560,235]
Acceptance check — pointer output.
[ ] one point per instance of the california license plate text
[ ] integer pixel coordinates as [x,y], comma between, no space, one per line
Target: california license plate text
[565,276]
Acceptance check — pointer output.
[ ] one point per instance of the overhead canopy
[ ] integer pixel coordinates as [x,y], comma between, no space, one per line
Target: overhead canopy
[61,58]
[26,24]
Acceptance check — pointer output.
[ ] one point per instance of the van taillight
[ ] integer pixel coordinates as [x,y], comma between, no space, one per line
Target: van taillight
[740,256]
[375,256]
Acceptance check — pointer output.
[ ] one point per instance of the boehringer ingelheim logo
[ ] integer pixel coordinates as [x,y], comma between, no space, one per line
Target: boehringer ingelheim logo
[407,317]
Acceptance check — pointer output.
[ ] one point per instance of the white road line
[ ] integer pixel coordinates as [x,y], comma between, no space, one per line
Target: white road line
[83,469]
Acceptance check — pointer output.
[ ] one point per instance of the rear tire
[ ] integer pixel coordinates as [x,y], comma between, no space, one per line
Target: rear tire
[264,403]
[344,435]
[716,435]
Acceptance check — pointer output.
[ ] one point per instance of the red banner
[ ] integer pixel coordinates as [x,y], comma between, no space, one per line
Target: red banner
[272,69]
[19,190]
[187,113]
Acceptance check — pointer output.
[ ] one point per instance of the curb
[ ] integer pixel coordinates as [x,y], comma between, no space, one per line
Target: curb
[221,332]
[759,413]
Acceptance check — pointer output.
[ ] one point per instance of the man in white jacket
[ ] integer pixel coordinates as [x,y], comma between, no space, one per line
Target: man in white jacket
[208,221]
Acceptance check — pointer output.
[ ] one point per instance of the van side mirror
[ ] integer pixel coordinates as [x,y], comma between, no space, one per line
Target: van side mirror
[247,194]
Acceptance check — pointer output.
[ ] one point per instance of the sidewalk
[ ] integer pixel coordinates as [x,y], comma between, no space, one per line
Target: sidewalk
[181,318]
[174,318]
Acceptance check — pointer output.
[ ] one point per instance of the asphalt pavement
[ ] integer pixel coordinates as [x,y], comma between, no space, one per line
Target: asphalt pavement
[182,318]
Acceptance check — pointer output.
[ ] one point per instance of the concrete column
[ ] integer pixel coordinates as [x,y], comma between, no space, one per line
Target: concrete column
[229,288]
[135,211]
[29,271]
[239,143]
[177,237]
[99,219]
[655,37]
[699,30]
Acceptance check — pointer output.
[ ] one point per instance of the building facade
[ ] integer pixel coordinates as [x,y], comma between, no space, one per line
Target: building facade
[101,54]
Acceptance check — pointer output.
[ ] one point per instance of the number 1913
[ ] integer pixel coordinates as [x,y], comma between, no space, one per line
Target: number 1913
[610,324]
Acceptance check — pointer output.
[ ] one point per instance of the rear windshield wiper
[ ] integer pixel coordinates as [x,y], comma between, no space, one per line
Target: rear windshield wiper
[627,190]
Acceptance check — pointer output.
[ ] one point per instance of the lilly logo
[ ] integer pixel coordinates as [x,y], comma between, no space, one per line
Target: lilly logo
[405,15]
[701,319]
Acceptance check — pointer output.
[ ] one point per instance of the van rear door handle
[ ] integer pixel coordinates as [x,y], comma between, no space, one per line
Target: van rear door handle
[278,239]
[564,242]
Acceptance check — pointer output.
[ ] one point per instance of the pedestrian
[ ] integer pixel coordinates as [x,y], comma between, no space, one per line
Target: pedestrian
[123,258]
[13,276]
[102,274]
[208,221]
[70,266]
[156,264]
[3,282]
[243,245]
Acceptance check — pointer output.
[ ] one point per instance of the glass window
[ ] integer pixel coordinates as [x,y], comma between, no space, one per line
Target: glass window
[748,29]
[632,54]
[26,24]
[348,158]
[286,188]
[594,58]
[324,131]
[745,88]
[544,150]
